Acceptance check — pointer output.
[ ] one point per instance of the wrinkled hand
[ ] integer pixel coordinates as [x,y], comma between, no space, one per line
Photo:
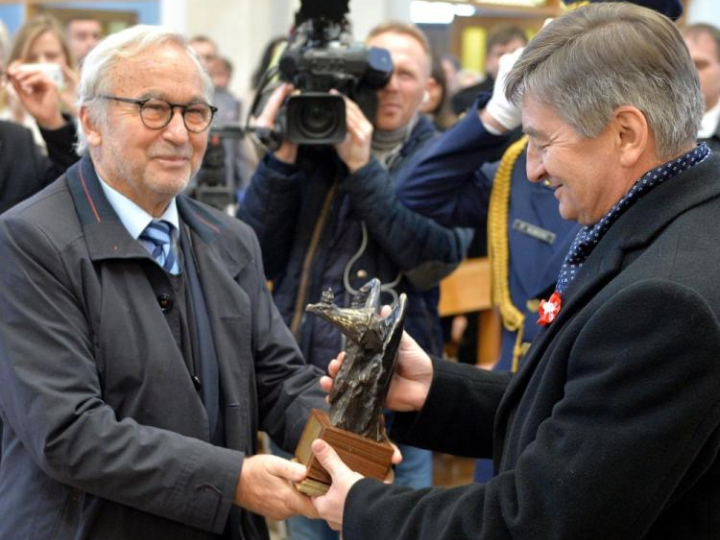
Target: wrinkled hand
[355,149]
[331,505]
[499,108]
[287,153]
[38,95]
[411,381]
[265,488]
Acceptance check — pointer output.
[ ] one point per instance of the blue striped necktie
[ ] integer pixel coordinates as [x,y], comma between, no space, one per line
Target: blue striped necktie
[157,240]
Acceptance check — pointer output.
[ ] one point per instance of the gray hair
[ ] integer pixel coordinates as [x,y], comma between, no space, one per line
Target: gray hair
[594,59]
[98,65]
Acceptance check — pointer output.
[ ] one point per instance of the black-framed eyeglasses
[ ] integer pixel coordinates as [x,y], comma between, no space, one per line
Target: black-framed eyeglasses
[157,113]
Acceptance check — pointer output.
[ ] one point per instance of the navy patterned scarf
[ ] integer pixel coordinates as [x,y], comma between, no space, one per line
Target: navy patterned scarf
[588,237]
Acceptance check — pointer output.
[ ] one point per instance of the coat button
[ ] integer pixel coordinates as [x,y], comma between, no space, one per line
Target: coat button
[165,301]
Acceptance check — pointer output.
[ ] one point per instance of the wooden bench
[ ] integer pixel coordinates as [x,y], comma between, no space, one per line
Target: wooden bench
[467,290]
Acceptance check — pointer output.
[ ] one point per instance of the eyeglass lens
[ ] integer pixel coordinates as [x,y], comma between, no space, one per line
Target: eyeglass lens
[156,113]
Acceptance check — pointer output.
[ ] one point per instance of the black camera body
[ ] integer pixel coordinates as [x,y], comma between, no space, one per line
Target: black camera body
[321,57]
[211,183]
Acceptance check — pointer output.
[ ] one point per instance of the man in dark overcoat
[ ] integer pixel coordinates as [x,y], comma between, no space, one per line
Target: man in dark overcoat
[611,426]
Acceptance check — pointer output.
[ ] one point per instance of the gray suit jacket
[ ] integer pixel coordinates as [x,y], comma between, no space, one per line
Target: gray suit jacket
[106,436]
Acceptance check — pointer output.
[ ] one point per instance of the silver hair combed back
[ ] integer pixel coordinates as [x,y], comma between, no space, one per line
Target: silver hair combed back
[599,57]
[98,65]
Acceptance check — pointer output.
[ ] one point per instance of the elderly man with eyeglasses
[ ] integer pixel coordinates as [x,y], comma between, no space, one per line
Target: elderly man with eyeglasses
[140,351]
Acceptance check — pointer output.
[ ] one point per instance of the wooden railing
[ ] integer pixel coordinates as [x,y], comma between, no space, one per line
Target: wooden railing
[467,290]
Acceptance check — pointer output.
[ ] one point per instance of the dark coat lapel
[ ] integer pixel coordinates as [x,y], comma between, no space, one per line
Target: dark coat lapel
[105,234]
[633,231]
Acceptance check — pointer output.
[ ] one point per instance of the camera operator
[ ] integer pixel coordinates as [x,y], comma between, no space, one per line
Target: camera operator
[328,217]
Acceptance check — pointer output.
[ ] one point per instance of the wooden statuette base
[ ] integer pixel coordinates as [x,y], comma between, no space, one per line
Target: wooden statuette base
[365,456]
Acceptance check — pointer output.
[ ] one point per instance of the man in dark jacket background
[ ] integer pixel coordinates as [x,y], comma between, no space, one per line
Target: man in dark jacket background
[331,218]
[703,42]
[24,170]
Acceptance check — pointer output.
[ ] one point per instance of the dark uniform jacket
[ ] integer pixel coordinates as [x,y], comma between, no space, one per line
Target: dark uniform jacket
[106,436]
[454,182]
[611,427]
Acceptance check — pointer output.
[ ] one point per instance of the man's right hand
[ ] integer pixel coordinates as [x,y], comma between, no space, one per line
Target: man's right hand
[287,153]
[410,383]
[265,488]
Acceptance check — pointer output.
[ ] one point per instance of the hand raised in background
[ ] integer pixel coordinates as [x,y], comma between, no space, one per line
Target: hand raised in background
[38,94]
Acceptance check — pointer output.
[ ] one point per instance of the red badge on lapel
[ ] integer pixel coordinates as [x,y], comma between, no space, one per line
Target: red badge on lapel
[549,309]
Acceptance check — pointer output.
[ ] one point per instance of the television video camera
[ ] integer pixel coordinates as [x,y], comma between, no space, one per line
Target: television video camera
[320,56]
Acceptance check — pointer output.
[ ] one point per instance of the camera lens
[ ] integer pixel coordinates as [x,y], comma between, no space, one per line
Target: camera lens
[316,120]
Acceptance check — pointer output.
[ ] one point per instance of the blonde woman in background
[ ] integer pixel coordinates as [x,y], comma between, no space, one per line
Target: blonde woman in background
[37,48]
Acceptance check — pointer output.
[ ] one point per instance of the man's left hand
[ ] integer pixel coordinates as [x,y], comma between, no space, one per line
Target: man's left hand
[355,149]
[38,95]
[331,505]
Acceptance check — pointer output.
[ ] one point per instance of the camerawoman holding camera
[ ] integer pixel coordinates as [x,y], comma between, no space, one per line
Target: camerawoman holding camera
[328,217]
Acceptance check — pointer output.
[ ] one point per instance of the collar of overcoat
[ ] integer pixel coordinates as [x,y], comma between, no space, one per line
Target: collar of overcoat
[107,237]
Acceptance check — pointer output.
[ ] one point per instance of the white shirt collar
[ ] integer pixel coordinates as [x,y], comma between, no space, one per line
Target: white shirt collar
[710,122]
[135,218]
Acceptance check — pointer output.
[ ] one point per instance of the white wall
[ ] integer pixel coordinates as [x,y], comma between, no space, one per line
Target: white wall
[366,14]
[704,11]
[241,28]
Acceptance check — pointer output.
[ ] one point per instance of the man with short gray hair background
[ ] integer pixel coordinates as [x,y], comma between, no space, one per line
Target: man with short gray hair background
[140,350]
[703,42]
[83,34]
[611,427]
